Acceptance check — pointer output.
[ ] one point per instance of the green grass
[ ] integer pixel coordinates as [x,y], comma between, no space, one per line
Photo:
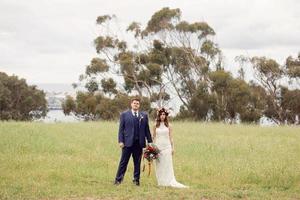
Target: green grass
[79,161]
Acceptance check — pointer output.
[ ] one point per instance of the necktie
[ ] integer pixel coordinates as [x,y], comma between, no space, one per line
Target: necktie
[135,114]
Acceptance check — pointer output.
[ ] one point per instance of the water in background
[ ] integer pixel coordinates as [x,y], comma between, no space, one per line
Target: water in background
[54,116]
[55,95]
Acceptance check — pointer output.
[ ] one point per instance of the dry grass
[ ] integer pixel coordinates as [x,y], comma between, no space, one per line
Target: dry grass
[79,161]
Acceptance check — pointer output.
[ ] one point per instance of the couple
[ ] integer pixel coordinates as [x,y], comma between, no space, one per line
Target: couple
[133,130]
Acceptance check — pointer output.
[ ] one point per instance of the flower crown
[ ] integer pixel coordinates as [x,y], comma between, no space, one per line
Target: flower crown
[162,110]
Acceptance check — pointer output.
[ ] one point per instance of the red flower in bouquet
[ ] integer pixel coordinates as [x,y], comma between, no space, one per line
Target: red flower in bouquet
[151,153]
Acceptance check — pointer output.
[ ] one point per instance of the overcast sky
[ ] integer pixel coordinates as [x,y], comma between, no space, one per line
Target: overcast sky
[47,41]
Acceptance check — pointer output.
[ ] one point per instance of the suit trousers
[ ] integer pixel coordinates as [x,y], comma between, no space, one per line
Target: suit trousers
[136,151]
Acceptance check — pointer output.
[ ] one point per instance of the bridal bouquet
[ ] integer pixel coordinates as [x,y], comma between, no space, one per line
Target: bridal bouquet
[151,153]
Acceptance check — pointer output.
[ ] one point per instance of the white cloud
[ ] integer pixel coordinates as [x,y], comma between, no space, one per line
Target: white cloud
[51,41]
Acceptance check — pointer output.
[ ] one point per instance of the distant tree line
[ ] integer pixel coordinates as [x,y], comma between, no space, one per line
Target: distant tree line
[172,58]
[19,101]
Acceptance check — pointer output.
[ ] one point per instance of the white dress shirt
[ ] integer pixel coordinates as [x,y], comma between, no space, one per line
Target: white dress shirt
[137,113]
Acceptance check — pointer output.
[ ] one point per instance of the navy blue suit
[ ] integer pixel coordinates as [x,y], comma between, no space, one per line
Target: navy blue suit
[133,131]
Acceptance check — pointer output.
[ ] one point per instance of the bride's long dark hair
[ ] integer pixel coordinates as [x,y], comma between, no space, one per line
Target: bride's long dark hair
[159,113]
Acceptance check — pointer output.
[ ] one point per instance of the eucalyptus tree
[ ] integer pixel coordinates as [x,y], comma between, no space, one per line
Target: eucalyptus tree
[166,58]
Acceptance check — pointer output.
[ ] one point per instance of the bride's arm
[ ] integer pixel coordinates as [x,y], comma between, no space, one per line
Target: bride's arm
[154,133]
[171,138]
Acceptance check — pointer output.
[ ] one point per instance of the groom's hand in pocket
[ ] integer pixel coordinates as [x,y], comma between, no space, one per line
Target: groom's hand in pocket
[121,144]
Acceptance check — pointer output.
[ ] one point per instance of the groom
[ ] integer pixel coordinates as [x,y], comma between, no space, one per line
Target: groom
[133,130]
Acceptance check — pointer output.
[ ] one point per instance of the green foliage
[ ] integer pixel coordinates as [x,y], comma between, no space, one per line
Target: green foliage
[225,98]
[293,67]
[220,81]
[136,28]
[97,66]
[122,46]
[95,106]
[109,86]
[254,109]
[19,101]
[269,73]
[209,48]
[201,102]
[92,86]
[268,68]
[201,28]
[104,42]
[162,20]
[103,18]
[68,105]
[126,63]
[290,104]
[180,59]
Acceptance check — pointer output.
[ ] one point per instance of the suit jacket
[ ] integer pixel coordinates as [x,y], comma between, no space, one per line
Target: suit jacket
[126,129]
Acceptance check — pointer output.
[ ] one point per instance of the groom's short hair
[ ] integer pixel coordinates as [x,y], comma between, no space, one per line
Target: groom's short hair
[135,99]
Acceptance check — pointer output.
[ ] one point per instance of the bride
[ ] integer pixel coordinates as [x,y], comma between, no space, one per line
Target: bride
[162,135]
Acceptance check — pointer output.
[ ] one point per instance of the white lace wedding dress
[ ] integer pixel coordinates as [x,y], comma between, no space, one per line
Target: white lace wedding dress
[164,165]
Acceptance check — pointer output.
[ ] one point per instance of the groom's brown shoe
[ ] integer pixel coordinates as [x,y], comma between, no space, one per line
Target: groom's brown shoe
[136,182]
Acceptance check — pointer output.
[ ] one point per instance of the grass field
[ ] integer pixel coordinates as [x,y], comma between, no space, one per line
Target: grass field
[217,161]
